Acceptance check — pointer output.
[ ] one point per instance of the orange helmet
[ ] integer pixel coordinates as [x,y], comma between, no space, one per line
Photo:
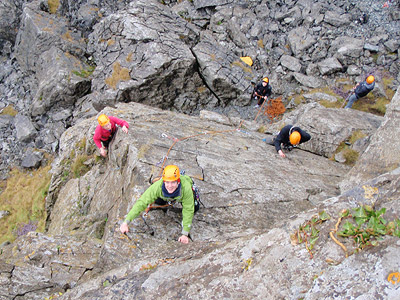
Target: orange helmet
[370,79]
[295,138]
[171,173]
[103,120]
[265,79]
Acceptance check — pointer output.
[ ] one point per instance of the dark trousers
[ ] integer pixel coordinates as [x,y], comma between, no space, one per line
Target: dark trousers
[160,201]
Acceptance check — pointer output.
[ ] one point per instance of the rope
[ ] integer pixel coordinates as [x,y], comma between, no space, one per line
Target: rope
[176,140]
[262,105]
[331,234]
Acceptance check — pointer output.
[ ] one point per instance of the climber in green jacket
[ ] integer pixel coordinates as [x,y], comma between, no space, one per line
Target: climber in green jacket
[171,187]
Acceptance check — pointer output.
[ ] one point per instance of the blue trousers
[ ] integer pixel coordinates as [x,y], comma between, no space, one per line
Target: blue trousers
[352,99]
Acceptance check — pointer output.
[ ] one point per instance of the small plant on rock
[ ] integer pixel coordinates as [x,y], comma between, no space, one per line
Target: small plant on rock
[366,226]
[308,233]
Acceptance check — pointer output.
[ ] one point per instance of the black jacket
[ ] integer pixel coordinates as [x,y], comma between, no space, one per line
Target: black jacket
[283,136]
[263,90]
[363,88]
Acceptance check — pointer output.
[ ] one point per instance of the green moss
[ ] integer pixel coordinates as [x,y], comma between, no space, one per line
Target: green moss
[350,155]
[24,197]
[262,129]
[78,167]
[330,104]
[9,110]
[358,134]
[81,145]
[53,5]
[119,74]
[84,73]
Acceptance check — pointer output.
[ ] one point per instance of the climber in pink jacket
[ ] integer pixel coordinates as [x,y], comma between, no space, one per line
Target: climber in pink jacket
[105,131]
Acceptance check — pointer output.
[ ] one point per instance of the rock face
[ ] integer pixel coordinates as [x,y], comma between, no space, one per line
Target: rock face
[64,62]
[253,201]
[329,127]
[382,149]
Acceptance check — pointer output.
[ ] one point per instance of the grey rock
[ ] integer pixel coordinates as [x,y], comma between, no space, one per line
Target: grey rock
[308,81]
[60,83]
[24,127]
[9,21]
[361,144]
[353,70]
[222,70]
[335,19]
[148,49]
[371,48]
[5,121]
[329,66]
[291,63]
[32,159]
[345,48]
[328,127]
[39,32]
[320,96]
[378,159]
[392,45]
[51,264]
[312,69]
[300,40]
[212,3]
[4,213]
[339,157]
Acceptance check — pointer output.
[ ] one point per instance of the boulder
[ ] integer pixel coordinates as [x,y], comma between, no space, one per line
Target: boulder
[329,66]
[62,80]
[308,81]
[32,159]
[300,40]
[24,127]
[336,19]
[39,31]
[225,74]
[152,47]
[291,63]
[10,12]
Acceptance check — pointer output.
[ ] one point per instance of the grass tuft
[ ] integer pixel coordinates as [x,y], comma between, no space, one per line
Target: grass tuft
[24,197]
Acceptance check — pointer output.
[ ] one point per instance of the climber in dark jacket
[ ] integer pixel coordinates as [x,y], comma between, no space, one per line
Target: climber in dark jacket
[289,136]
[361,89]
[262,91]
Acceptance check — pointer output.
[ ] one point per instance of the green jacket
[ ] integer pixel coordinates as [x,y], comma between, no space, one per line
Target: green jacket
[154,192]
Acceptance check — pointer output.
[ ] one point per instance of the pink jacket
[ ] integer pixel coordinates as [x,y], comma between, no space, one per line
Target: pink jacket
[101,134]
